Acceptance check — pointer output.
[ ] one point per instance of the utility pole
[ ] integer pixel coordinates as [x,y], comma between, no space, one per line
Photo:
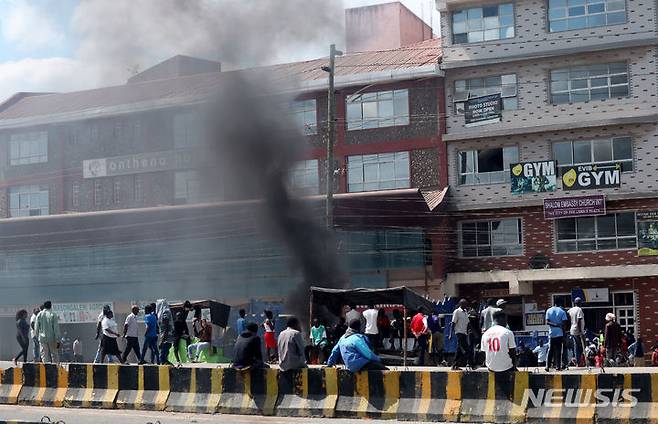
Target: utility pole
[331,134]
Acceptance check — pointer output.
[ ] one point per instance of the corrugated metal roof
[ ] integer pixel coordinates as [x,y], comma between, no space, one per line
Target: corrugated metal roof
[171,91]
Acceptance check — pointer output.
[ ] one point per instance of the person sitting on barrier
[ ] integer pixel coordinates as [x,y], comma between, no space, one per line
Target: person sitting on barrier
[204,334]
[291,347]
[355,350]
[499,345]
[247,351]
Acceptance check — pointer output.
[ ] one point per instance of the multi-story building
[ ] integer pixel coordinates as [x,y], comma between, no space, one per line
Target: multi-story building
[578,86]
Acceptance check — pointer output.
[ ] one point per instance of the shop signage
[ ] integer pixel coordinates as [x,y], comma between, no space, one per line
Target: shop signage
[571,207]
[533,177]
[597,295]
[78,313]
[585,177]
[535,319]
[647,233]
[483,110]
[138,164]
[495,293]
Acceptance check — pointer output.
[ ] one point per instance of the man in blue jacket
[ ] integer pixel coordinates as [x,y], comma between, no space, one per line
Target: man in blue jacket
[355,350]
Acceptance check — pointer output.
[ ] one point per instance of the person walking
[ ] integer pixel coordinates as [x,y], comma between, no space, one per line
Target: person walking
[22,335]
[166,325]
[372,332]
[270,336]
[612,338]
[555,319]
[181,332]
[109,345]
[498,345]
[291,347]
[459,328]
[130,333]
[420,330]
[577,330]
[355,351]
[47,329]
[99,333]
[240,325]
[150,336]
[436,331]
[36,351]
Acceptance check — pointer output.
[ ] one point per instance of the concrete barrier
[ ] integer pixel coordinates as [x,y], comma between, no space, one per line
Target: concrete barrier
[92,386]
[143,388]
[429,396]
[493,397]
[560,398]
[248,392]
[43,385]
[307,393]
[371,394]
[194,389]
[11,381]
[627,398]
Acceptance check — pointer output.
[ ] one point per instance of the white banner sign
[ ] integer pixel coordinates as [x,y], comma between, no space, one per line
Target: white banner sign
[78,313]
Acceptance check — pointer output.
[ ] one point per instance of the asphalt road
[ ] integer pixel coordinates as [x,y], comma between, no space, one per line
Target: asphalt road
[33,414]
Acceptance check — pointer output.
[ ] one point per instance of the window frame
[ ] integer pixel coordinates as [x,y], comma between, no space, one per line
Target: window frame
[491,245]
[588,79]
[381,122]
[191,197]
[459,100]
[295,110]
[27,190]
[591,146]
[397,156]
[585,16]
[478,181]
[296,169]
[191,133]
[454,34]
[27,141]
[596,239]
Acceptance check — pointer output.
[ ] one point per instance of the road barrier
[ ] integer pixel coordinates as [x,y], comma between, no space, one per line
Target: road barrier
[43,385]
[558,398]
[248,392]
[493,397]
[627,398]
[194,389]
[307,393]
[143,388]
[11,381]
[430,396]
[92,386]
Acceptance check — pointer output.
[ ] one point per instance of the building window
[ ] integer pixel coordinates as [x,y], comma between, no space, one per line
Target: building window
[592,82]
[30,200]
[116,191]
[187,130]
[75,195]
[305,115]
[381,171]
[488,166]
[505,85]
[609,232]
[380,109]
[139,189]
[186,187]
[98,193]
[491,238]
[28,148]
[595,152]
[483,24]
[304,177]
[564,15]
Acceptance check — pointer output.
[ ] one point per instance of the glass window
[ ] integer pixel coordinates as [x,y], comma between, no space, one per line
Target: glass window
[483,24]
[186,187]
[187,130]
[486,166]
[609,232]
[599,152]
[491,238]
[477,87]
[379,109]
[27,148]
[29,200]
[305,178]
[575,14]
[305,116]
[383,171]
[585,83]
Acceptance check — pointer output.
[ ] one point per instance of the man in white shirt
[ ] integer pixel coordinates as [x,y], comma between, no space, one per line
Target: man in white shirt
[486,316]
[35,339]
[577,329]
[372,332]
[459,328]
[130,332]
[499,345]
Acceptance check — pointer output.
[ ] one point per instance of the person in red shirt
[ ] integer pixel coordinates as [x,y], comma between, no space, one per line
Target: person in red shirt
[420,330]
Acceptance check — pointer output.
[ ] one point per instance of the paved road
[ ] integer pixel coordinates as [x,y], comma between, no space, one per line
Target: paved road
[91,416]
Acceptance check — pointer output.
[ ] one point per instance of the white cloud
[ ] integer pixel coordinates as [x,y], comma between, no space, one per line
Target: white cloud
[28,27]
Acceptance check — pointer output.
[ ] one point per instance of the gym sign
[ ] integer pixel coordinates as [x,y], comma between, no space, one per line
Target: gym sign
[138,164]
[585,177]
[533,177]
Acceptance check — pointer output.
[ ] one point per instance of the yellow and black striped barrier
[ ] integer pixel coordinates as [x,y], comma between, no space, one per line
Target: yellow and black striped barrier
[627,398]
[11,381]
[559,398]
[430,396]
[248,392]
[92,386]
[143,388]
[195,389]
[307,393]
[368,394]
[43,385]
[493,397]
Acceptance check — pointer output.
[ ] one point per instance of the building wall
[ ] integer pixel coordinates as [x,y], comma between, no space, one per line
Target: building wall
[532,37]
[534,102]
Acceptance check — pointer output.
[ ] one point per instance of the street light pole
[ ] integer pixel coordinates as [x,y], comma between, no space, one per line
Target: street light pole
[331,134]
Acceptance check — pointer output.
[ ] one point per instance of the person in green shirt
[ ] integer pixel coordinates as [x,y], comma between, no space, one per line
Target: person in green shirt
[47,330]
[318,341]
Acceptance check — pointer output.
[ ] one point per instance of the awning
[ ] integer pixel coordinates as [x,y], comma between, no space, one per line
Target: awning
[336,299]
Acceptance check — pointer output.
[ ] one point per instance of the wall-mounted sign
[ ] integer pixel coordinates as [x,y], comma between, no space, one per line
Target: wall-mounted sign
[572,207]
[597,295]
[534,319]
[138,164]
[647,233]
[533,177]
[78,313]
[585,177]
[483,110]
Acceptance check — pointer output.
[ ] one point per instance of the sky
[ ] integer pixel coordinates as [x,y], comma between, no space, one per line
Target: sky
[67,45]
